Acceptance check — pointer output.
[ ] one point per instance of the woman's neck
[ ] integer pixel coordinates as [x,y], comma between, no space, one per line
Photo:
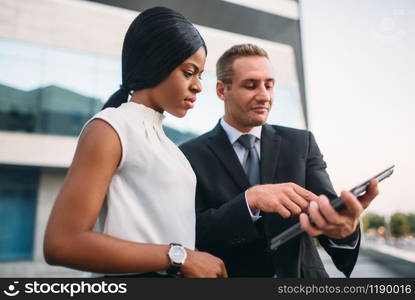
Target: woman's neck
[143,97]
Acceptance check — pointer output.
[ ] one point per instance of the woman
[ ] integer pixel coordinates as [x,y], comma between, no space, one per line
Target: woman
[127,172]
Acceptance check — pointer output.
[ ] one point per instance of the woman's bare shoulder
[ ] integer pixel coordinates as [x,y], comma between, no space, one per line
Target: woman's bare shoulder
[99,142]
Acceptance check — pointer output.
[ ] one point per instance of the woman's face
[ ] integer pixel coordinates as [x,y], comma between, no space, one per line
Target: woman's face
[177,92]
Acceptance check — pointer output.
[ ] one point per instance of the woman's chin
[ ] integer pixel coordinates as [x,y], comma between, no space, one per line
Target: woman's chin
[179,113]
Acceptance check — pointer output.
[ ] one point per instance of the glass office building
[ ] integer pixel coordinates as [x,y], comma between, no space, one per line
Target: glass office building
[60,61]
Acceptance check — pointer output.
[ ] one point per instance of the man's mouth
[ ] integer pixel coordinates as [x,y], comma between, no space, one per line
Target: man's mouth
[260,109]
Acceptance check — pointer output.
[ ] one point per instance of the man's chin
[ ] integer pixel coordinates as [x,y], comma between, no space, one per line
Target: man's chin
[258,121]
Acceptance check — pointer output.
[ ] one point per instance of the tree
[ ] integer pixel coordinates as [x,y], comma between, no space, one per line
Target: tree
[399,224]
[372,220]
[411,220]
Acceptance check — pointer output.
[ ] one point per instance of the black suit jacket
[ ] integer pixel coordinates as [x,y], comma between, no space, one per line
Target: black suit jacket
[224,226]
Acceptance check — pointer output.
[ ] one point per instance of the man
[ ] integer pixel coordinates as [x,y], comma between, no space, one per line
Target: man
[254,180]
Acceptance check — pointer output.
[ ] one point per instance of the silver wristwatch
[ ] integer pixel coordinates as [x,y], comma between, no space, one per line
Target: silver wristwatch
[177,254]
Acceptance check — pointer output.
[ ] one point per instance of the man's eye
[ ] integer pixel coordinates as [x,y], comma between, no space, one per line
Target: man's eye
[250,87]
[269,87]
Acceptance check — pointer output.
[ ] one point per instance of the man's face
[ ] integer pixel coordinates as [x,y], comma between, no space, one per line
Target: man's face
[248,99]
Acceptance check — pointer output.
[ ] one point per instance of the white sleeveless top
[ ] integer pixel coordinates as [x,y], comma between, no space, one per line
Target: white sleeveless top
[151,197]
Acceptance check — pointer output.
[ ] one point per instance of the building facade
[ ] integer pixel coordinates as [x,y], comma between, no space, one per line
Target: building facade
[60,61]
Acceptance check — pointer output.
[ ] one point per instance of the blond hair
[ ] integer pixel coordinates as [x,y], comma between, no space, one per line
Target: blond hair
[224,71]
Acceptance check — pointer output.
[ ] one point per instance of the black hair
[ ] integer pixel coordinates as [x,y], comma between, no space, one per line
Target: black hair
[157,41]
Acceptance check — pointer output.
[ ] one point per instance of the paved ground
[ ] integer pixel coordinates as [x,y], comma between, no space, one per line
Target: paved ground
[365,267]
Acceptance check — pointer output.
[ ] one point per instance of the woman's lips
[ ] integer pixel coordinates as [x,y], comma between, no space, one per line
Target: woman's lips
[189,102]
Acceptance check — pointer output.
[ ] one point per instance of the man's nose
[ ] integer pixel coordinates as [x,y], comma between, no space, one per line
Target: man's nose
[263,94]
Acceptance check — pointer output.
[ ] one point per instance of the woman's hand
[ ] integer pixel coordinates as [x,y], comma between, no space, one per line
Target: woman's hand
[203,265]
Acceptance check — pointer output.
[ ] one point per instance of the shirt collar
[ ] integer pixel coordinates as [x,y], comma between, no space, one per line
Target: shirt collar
[234,134]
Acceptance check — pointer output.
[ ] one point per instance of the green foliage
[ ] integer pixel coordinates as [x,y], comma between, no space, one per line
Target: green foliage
[411,220]
[399,224]
[372,220]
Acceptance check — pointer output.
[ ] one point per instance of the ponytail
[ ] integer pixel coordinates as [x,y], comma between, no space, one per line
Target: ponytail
[118,98]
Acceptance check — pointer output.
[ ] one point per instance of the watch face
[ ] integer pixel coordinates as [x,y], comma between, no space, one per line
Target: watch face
[177,254]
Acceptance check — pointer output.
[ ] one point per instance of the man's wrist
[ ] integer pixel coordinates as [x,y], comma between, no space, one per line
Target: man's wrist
[348,239]
[254,214]
[250,200]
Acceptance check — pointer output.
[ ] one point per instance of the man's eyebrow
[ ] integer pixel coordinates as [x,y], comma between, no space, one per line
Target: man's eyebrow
[255,80]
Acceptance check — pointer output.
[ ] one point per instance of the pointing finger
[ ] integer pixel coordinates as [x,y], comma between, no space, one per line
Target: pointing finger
[307,195]
[300,201]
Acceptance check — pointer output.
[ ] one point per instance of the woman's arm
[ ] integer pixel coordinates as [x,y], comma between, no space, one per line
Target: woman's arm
[69,239]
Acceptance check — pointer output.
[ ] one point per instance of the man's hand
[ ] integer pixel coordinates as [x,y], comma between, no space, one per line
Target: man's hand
[286,199]
[203,265]
[322,218]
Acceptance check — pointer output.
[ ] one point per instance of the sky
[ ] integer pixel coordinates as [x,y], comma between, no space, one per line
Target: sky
[359,70]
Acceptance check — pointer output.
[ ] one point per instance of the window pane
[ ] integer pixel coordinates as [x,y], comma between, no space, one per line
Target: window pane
[18,193]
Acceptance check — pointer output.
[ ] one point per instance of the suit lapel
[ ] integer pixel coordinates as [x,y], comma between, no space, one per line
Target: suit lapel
[270,150]
[222,148]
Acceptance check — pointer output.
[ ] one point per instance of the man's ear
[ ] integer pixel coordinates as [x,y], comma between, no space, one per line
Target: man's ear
[220,89]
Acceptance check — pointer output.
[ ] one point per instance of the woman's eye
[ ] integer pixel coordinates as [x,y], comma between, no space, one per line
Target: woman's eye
[188,74]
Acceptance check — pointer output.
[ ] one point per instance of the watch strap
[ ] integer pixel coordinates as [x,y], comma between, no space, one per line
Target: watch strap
[174,269]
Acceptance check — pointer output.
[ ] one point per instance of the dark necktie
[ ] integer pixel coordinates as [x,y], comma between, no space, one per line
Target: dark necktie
[251,163]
